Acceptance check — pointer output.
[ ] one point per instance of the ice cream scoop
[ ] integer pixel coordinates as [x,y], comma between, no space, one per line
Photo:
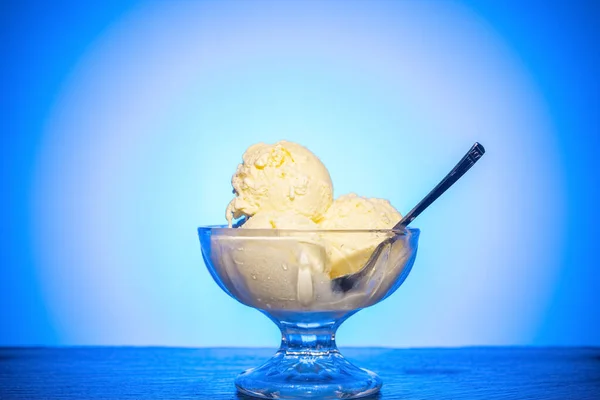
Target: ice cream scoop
[280,177]
[348,253]
[347,282]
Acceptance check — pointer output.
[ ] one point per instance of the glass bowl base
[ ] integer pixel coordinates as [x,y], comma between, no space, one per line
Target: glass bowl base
[315,376]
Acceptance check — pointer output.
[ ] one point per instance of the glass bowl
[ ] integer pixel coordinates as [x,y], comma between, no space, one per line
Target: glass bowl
[286,274]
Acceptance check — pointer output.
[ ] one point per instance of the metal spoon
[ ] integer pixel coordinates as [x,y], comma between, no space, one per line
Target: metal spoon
[347,282]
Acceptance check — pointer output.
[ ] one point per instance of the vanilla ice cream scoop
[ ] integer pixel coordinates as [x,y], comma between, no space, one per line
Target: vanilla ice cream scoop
[284,176]
[354,212]
[351,211]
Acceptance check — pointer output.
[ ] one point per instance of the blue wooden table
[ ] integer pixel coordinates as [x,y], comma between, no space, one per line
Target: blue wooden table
[187,373]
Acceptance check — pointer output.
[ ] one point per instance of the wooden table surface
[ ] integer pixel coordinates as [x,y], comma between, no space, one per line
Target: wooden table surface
[208,373]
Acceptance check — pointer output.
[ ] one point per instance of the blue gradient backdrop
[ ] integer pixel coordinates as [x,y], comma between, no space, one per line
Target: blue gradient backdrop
[122,122]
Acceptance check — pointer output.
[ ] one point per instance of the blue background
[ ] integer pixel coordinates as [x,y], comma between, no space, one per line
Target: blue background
[123,121]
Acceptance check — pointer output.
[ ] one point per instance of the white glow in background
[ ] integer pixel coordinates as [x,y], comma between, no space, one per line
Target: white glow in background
[141,145]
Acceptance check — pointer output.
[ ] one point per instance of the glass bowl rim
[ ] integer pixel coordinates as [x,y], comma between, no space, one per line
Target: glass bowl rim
[268,232]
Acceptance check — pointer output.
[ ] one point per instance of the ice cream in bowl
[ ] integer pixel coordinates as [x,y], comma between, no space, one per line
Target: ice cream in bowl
[308,262]
[286,242]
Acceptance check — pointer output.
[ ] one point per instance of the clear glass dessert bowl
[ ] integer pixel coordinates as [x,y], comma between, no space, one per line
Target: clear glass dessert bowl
[287,275]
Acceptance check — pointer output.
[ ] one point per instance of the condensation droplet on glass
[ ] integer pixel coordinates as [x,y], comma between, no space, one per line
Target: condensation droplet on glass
[253,276]
[284,266]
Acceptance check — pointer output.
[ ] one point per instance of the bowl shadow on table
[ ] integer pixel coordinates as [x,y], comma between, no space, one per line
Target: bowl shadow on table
[240,396]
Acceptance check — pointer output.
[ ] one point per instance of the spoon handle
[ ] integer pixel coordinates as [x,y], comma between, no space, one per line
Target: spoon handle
[459,170]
